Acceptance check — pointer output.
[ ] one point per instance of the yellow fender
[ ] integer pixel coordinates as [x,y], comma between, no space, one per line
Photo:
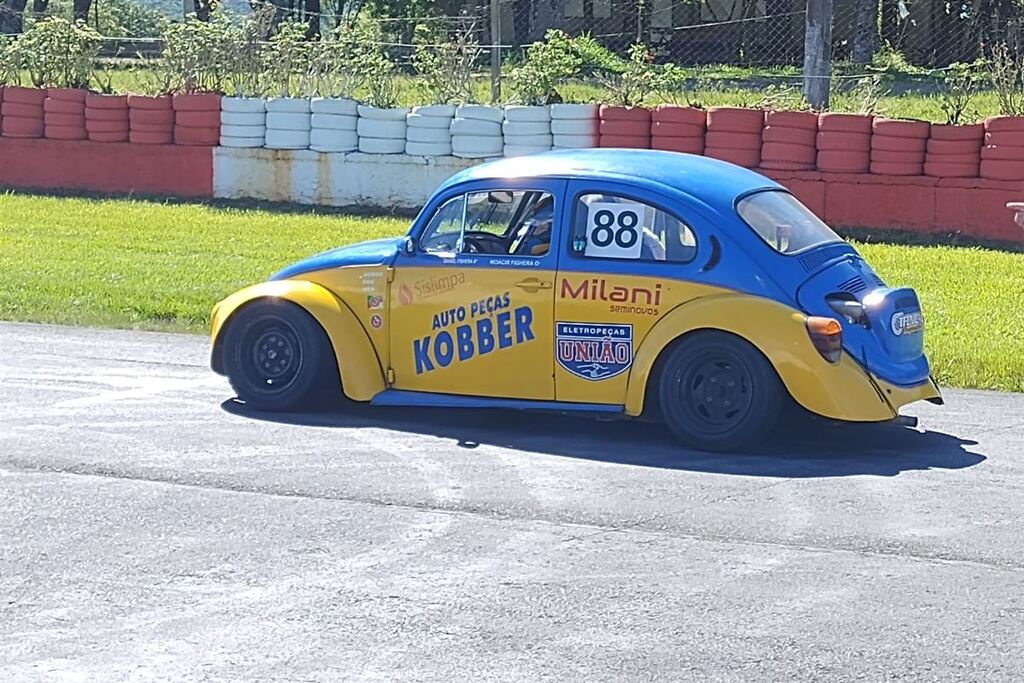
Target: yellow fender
[842,391]
[361,374]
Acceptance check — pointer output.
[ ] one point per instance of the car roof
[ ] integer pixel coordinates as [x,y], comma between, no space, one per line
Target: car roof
[713,182]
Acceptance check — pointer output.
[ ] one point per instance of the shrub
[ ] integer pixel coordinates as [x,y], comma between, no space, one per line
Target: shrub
[547,65]
[1006,72]
[957,96]
[287,58]
[639,79]
[57,53]
[198,55]
[445,65]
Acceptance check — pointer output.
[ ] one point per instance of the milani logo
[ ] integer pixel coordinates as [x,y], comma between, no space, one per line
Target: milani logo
[597,289]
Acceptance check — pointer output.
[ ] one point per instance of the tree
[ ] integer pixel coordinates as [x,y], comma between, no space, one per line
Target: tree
[865,31]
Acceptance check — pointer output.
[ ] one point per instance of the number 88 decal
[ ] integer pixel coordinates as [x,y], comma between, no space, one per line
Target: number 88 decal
[613,230]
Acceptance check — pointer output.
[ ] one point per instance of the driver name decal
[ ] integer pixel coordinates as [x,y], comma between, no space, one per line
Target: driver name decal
[594,351]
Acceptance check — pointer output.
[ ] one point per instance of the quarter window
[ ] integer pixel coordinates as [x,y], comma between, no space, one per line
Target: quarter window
[611,226]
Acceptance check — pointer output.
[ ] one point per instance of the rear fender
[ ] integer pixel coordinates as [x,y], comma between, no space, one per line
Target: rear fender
[361,374]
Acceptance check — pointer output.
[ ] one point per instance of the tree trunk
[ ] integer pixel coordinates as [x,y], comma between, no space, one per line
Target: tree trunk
[865,31]
[80,9]
[11,18]
[818,53]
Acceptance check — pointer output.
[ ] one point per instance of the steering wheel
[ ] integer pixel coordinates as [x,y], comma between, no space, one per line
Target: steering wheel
[484,243]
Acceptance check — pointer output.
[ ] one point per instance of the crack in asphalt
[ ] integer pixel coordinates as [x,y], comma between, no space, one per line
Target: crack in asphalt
[16,467]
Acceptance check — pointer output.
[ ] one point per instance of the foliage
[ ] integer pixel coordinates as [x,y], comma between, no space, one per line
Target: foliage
[371,58]
[445,65]
[288,57]
[889,60]
[248,55]
[334,69]
[57,53]
[866,95]
[198,55]
[547,65]
[957,96]
[10,71]
[640,78]
[783,98]
[595,57]
[1006,73]
[130,19]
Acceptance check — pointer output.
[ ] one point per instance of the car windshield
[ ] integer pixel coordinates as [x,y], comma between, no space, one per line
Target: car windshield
[783,222]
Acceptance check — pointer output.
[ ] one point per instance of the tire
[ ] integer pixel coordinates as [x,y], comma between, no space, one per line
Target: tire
[513,128]
[626,141]
[20,95]
[476,146]
[573,112]
[434,111]
[897,157]
[1002,153]
[946,132]
[428,135]
[51,106]
[888,143]
[106,126]
[200,101]
[334,106]
[1002,170]
[382,114]
[77,120]
[574,141]
[97,101]
[244,105]
[628,128]
[200,137]
[479,112]
[522,150]
[896,168]
[741,141]
[382,145]
[26,111]
[151,128]
[243,132]
[789,136]
[378,128]
[475,128]
[946,169]
[735,120]
[780,151]
[415,120]
[841,141]
[840,161]
[771,165]
[287,139]
[953,158]
[277,120]
[328,140]
[845,123]
[717,392]
[428,149]
[145,137]
[747,158]
[954,146]
[334,122]
[670,113]
[67,94]
[637,115]
[519,113]
[574,126]
[240,142]
[800,120]
[18,127]
[896,128]
[288,105]
[109,137]
[277,356]
[151,117]
[151,103]
[535,142]
[1008,138]
[65,133]
[677,130]
[107,115]
[998,124]
[243,118]
[674,144]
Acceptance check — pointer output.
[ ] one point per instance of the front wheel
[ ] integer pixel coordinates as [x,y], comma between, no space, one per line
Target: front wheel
[719,393]
[277,356]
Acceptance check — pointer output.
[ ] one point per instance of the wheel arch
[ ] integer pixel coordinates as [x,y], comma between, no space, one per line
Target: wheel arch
[359,366]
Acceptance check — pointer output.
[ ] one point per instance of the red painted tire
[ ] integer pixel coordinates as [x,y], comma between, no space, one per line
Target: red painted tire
[845,123]
[889,157]
[21,127]
[200,101]
[1002,153]
[837,141]
[94,126]
[67,94]
[838,161]
[735,120]
[954,146]
[785,166]
[197,119]
[1002,170]
[801,120]
[628,141]
[97,101]
[729,140]
[150,102]
[1005,138]
[791,136]
[952,158]
[151,117]
[63,107]
[688,145]
[677,130]
[670,113]
[156,128]
[893,168]
[51,119]
[781,151]
[18,95]
[631,128]
[748,158]
[28,111]
[92,114]
[1003,124]
[185,135]
[898,128]
[108,137]
[945,169]
[893,144]
[64,132]
[610,113]
[951,133]
[148,138]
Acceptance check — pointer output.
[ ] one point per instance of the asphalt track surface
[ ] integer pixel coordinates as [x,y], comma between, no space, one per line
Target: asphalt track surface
[153,529]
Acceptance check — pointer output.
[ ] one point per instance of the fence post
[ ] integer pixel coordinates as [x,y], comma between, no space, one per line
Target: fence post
[818,53]
[495,51]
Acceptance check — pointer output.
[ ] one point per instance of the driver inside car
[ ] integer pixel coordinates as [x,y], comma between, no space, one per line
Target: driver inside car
[533,237]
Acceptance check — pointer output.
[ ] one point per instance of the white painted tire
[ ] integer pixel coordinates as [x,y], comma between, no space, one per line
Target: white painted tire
[375,128]
[381,145]
[519,113]
[242,118]
[476,146]
[243,105]
[242,143]
[479,112]
[574,141]
[432,135]
[378,114]
[573,111]
[428,149]
[526,128]
[334,105]
[243,131]
[476,127]
[529,140]
[333,122]
[328,140]
[286,139]
[521,150]
[445,111]
[287,121]
[574,126]
[288,105]
[422,121]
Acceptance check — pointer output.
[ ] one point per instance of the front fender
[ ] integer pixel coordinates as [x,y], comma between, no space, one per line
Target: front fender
[361,374]
[842,391]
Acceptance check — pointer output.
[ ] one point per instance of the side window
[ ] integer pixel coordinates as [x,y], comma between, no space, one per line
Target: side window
[505,222]
[610,226]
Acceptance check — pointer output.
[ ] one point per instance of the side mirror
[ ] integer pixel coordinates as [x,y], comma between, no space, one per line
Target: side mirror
[408,246]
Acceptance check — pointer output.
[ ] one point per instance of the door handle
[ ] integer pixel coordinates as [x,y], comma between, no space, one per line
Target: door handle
[532,284]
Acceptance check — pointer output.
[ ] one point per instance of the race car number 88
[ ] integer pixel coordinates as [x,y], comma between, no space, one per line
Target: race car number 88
[613,230]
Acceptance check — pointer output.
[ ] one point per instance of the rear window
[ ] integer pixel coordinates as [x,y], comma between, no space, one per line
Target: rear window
[783,222]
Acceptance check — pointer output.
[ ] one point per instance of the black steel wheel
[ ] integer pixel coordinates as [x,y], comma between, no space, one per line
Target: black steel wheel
[717,392]
[277,357]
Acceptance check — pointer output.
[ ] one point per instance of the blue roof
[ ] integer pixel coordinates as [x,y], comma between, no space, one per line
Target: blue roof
[716,183]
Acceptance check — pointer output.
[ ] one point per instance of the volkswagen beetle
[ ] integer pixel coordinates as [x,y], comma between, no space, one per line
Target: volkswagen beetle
[632,282]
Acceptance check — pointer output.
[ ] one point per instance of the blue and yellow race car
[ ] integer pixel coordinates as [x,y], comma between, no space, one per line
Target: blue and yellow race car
[632,282]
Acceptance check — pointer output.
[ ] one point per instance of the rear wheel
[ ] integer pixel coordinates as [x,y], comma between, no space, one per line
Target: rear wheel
[718,393]
[277,356]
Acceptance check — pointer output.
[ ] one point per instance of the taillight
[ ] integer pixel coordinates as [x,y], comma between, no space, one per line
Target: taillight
[827,336]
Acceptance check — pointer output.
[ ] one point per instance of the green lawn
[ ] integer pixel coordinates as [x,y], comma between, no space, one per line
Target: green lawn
[127,263]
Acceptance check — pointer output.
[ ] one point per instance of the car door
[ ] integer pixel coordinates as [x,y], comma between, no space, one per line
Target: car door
[630,255]
[472,304]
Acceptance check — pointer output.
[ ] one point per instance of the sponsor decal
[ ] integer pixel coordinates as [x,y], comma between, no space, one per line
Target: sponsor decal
[594,351]
[613,230]
[405,295]
[374,302]
[906,323]
[376,321]
[637,300]
[435,285]
[462,333]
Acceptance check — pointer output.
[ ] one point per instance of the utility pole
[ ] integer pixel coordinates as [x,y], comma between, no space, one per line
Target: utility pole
[495,51]
[818,53]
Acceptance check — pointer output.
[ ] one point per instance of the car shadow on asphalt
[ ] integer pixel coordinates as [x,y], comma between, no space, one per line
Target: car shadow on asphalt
[802,446]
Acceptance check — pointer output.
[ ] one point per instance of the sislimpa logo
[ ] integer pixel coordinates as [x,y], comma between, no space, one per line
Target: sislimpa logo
[906,323]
